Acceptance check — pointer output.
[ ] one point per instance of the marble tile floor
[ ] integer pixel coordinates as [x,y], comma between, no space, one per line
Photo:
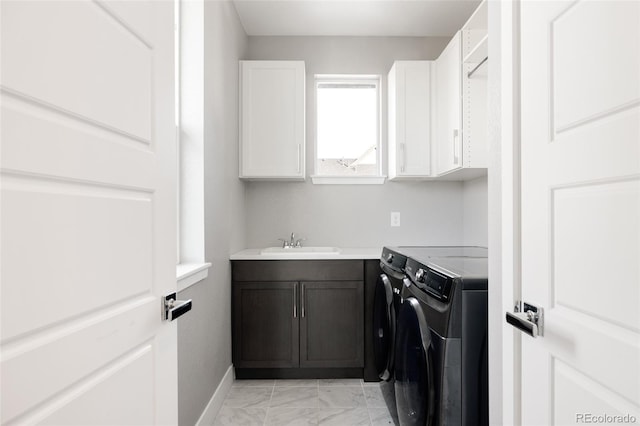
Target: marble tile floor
[339,402]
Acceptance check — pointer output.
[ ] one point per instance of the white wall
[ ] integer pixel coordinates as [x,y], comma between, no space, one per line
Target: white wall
[354,215]
[204,335]
[475,212]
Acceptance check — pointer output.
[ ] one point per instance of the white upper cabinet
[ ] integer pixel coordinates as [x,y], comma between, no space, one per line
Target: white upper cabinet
[448,113]
[409,124]
[460,131]
[272,120]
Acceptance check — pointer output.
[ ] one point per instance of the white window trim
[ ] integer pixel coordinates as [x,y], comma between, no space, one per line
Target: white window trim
[192,267]
[376,179]
[188,274]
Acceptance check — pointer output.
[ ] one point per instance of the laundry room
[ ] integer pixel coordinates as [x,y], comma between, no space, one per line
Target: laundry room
[319,212]
[303,209]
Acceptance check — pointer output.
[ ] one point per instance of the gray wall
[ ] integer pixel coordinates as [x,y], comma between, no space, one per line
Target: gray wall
[476,212]
[204,336]
[353,215]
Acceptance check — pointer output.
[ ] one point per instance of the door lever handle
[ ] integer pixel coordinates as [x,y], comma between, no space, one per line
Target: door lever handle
[527,318]
[172,308]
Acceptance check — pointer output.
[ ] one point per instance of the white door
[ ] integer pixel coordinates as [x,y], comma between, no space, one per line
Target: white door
[581,210]
[88,222]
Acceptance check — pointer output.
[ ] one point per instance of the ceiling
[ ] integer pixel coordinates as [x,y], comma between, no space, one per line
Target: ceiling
[410,18]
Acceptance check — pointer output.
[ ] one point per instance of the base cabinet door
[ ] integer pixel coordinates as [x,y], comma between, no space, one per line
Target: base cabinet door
[265,325]
[332,324]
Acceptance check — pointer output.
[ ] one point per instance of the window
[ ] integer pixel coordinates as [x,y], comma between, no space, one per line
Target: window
[347,126]
[191,267]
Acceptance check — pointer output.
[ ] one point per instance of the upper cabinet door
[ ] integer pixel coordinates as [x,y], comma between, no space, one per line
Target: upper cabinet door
[410,119]
[272,121]
[448,129]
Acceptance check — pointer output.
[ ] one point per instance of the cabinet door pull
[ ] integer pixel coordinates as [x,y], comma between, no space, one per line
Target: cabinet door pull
[456,138]
[404,157]
[302,300]
[295,301]
[299,150]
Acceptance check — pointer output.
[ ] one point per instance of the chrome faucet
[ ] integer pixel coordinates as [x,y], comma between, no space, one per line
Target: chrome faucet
[292,242]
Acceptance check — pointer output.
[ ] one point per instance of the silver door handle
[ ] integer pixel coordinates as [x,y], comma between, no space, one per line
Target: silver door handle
[295,301]
[527,318]
[302,300]
[456,137]
[172,308]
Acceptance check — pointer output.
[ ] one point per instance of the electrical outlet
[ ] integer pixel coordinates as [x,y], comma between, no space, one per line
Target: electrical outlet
[395,218]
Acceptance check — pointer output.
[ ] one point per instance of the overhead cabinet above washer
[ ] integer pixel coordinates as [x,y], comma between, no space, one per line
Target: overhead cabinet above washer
[460,134]
[272,120]
[438,110]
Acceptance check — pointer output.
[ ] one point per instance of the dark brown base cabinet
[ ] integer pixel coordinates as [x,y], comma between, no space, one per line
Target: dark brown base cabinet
[265,326]
[298,314]
[332,324]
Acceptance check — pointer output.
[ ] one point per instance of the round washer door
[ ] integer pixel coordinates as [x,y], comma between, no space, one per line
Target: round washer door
[384,323]
[414,387]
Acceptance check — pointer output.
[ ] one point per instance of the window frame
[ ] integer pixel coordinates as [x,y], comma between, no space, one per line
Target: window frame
[378,177]
[191,266]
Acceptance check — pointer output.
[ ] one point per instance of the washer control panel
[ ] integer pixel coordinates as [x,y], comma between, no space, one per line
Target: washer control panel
[438,284]
[393,259]
[429,280]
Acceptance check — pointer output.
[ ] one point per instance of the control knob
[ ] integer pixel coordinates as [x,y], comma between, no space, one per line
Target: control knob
[420,275]
[389,257]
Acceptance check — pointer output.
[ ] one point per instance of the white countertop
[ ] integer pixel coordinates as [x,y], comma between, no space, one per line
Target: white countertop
[344,253]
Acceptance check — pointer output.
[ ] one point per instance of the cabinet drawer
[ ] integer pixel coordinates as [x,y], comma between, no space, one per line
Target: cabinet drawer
[297,270]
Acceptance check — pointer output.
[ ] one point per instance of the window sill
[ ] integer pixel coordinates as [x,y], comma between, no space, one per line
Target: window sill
[188,274]
[348,180]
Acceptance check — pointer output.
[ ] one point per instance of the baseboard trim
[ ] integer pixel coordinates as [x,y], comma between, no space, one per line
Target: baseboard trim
[211,411]
[298,373]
